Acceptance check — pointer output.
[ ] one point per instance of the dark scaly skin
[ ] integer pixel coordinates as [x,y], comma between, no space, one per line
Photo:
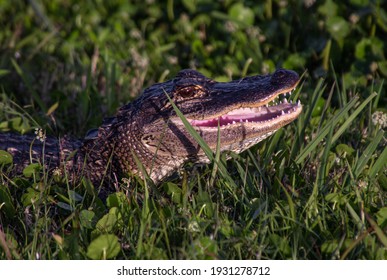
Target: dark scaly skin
[149,129]
[52,152]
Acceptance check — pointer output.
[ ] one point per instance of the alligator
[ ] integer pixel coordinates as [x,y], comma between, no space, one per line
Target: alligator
[149,131]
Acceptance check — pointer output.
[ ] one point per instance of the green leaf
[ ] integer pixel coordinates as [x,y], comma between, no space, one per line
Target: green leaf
[75,196]
[361,3]
[16,122]
[104,247]
[5,158]
[369,48]
[206,204]
[190,5]
[381,217]
[205,248]
[174,191]
[382,179]
[87,219]
[65,206]
[52,108]
[328,9]
[382,66]
[338,28]
[107,222]
[30,197]
[335,198]
[116,200]
[120,201]
[329,247]
[295,60]
[360,49]
[6,204]
[4,72]
[155,253]
[281,244]
[344,149]
[31,169]
[317,111]
[241,14]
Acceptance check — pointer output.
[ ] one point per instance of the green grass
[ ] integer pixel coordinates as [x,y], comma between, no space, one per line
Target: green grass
[317,189]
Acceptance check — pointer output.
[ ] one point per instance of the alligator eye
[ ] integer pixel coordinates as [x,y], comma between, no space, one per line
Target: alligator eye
[186,92]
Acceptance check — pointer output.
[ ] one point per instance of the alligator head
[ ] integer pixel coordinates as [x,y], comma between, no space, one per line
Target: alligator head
[243,112]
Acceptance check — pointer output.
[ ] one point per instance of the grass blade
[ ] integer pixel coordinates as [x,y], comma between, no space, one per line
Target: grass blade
[207,150]
[35,95]
[325,130]
[368,152]
[304,119]
[350,119]
[379,232]
[321,174]
[379,164]
[217,158]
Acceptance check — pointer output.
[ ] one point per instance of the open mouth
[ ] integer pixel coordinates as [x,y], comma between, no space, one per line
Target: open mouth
[273,111]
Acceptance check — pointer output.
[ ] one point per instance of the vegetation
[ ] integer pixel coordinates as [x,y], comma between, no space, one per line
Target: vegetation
[317,189]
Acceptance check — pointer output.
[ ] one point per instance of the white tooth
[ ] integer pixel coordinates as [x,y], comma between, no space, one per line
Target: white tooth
[290,101]
[233,122]
[247,121]
[240,120]
[282,112]
[285,100]
[298,103]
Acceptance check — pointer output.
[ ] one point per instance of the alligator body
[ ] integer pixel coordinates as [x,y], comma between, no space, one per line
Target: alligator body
[149,131]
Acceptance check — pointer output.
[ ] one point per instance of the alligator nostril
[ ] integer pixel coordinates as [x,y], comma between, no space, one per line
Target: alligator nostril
[284,77]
